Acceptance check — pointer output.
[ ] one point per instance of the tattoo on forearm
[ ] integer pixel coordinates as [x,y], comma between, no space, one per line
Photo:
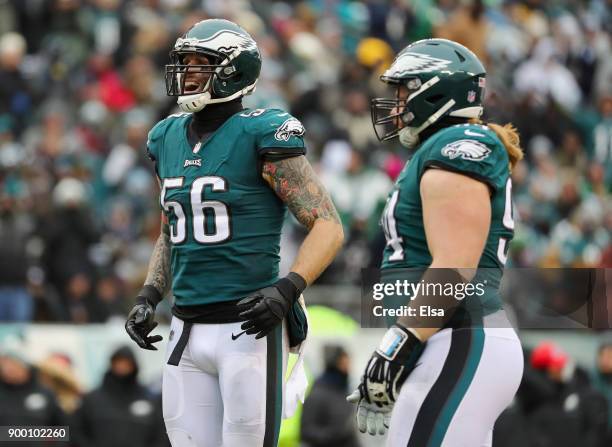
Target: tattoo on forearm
[158,274]
[296,183]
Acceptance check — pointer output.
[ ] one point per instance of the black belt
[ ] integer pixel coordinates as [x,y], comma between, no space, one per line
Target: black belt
[177,352]
[211,313]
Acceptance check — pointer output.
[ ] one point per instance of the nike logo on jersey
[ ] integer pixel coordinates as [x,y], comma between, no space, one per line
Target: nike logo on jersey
[196,162]
[234,337]
[473,134]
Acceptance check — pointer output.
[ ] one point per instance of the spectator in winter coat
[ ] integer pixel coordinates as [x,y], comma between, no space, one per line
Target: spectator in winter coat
[327,418]
[121,412]
[23,401]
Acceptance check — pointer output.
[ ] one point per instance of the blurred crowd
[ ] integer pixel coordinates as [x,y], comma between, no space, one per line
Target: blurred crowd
[559,403]
[119,412]
[81,83]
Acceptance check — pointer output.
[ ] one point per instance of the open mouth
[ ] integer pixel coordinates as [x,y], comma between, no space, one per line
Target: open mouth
[192,86]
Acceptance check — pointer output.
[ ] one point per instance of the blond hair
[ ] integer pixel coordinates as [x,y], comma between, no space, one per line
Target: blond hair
[509,137]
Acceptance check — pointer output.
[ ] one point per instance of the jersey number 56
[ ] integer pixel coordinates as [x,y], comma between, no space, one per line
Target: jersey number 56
[201,211]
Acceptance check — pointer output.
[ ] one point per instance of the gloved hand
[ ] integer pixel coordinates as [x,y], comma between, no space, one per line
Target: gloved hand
[140,321]
[370,417]
[384,375]
[266,308]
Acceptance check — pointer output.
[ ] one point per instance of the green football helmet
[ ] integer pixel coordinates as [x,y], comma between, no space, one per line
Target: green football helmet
[442,78]
[233,65]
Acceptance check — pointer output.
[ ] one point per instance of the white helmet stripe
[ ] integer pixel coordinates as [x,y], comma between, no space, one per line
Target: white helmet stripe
[424,87]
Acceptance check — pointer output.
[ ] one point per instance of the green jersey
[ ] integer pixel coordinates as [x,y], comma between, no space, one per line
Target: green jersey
[470,149]
[225,221]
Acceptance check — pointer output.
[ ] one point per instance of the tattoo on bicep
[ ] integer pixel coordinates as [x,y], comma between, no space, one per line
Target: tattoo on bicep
[296,184]
[158,274]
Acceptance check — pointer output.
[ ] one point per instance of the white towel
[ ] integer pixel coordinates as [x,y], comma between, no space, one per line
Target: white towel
[297,382]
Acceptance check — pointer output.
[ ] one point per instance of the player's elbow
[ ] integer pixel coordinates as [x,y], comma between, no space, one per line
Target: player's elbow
[334,233]
[338,236]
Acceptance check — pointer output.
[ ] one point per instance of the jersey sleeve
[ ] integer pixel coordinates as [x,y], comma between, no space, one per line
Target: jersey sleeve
[154,141]
[278,134]
[480,157]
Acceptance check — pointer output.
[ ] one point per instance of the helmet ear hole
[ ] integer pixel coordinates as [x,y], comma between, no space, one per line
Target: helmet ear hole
[434,98]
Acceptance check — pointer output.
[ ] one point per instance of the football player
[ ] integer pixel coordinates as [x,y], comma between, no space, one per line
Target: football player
[227,177]
[449,368]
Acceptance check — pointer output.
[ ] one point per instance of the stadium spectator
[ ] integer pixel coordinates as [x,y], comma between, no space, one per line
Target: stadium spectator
[469,26]
[120,412]
[602,379]
[556,403]
[16,303]
[56,373]
[68,234]
[15,91]
[359,193]
[327,418]
[23,401]
[109,299]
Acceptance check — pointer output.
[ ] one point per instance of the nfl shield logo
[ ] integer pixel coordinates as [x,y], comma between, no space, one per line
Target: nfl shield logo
[471,96]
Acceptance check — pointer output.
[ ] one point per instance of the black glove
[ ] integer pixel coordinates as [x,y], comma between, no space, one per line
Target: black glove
[140,321]
[390,365]
[266,308]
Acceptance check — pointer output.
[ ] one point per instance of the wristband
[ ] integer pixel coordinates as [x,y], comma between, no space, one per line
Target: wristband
[291,286]
[398,344]
[149,294]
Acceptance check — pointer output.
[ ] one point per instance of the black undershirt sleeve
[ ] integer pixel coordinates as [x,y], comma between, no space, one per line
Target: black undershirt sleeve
[274,154]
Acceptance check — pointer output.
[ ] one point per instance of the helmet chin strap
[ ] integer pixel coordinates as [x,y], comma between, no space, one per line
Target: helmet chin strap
[409,136]
[195,103]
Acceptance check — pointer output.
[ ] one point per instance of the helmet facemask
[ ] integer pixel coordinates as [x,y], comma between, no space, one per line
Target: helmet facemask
[390,115]
[182,79]
[177,73]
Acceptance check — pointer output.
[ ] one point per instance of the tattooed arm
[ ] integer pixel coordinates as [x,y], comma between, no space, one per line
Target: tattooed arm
[158,274]
[296,184]
[141,319]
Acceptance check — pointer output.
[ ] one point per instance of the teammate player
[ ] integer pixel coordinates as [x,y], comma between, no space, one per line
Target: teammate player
[447,377]
[227,176]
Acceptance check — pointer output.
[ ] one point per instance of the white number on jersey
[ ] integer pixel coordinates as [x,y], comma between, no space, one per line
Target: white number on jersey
[390,228]
[219,211]
[508,222]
